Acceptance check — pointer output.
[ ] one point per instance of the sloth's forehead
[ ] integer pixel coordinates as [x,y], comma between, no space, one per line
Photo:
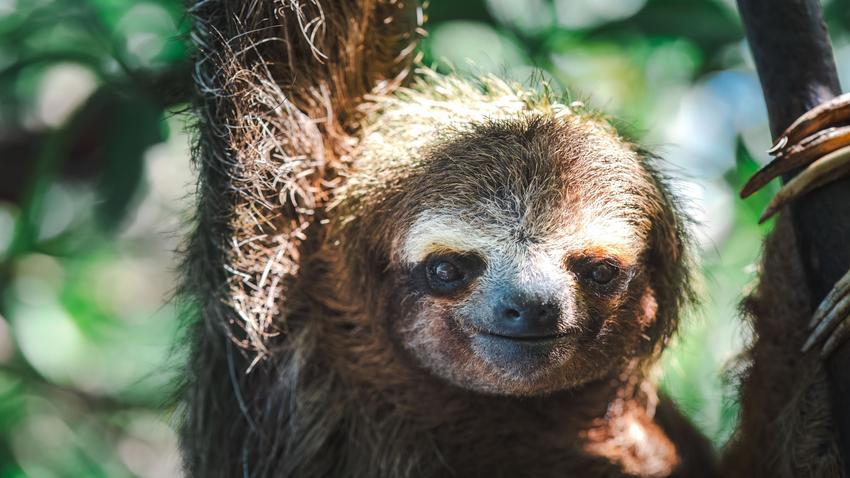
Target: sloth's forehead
[502,238]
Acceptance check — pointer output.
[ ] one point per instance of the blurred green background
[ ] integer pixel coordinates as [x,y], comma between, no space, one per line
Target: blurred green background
[96,187]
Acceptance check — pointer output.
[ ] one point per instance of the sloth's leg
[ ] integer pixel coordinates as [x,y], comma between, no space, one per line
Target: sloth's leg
[818,141]
[831,320]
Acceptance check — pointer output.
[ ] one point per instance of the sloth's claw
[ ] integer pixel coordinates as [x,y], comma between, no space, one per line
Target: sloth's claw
[818,141]
[822,171]
[830,113]
[799,154]
[778,145]
[831,320]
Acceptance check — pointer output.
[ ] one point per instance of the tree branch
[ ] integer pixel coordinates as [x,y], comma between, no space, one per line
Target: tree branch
[794,60]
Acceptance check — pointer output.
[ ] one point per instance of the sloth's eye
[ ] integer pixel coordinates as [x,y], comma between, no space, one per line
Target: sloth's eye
[447,273]
[603,273]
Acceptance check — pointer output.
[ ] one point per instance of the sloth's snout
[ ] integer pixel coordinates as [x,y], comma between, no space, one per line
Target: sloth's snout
[522,316]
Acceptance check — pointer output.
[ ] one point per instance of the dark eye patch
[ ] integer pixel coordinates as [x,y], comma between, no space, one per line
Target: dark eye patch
[448,273]
[603,275]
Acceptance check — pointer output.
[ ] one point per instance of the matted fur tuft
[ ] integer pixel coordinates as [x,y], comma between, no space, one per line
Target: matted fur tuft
[278,86]
[279,101]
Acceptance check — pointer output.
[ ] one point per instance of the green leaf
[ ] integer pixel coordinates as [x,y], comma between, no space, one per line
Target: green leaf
[134,124]
[745,168]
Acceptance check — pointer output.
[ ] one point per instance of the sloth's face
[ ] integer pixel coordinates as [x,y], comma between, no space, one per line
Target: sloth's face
[518,257]
[512,307]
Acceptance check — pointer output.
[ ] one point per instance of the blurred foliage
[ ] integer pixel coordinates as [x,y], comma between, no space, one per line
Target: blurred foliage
[95,183]
[94,168]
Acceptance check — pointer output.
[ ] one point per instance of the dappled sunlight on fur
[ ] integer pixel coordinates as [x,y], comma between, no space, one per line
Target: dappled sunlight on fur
[326,183]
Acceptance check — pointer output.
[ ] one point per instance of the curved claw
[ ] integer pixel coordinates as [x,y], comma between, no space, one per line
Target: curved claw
[828,322]
[831,319]
[825,170]
[806,151]
[778,145]
[836,339]
[838,292]
[826,114]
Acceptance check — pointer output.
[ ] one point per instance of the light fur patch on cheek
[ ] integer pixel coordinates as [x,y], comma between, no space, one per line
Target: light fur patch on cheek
[442,232]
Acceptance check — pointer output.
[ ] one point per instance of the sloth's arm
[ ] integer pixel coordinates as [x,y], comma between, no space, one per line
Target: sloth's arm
[819,142]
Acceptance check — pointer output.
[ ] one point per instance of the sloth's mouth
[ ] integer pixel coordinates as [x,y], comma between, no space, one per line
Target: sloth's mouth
[535,339]
[522,356]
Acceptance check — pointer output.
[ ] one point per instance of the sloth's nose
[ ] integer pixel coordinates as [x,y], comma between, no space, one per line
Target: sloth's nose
[522,316]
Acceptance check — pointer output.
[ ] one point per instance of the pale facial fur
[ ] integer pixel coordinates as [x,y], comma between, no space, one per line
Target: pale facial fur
[530,256]
[532,211]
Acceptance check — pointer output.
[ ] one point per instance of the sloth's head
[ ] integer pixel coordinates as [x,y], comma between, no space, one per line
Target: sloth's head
[520,257]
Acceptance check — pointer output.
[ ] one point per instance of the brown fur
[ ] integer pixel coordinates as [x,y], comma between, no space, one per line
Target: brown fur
[357,372]
[562,181]
[786,427]
[281,82]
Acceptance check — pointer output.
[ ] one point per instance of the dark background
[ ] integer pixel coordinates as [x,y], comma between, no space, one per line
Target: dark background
[96,188]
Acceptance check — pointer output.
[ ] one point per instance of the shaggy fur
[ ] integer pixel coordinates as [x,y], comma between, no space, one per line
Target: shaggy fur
[318,354]
[786,427]
[278,84]
[511,164]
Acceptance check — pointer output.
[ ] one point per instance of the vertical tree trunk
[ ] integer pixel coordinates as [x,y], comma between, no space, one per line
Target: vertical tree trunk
[794,59]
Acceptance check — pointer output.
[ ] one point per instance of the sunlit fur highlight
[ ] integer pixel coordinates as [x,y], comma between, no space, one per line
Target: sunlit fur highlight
[444,232]
[318,354]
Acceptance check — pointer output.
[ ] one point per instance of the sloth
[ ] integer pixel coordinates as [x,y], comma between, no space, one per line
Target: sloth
[496,247]
[479,283]
[517,247]
[411,274]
